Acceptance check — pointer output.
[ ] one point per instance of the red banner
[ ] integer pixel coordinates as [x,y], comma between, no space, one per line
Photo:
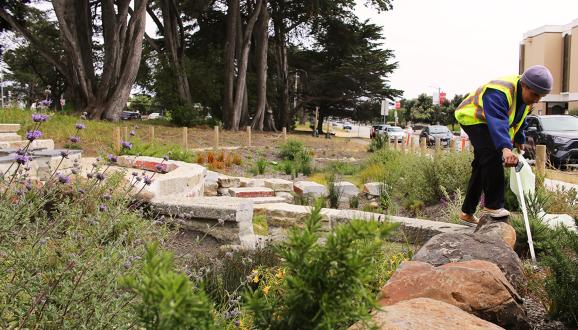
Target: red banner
[442,98]
[397,105]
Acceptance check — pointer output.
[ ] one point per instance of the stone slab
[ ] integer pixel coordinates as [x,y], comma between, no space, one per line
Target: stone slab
[9,128]
[197,213]
[373,188]
[147,165]
[228,181]
[279,184]
[309,188]
[35,145]
[246,192]
[346,190]
[9,137]
[248,182]
[287,196]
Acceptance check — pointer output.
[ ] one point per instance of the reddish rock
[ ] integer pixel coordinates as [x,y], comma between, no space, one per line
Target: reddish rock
[497,229]
[424,314]
[250,192]
[476,286]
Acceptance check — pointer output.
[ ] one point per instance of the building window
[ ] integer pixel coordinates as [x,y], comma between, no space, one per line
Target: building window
[566,63]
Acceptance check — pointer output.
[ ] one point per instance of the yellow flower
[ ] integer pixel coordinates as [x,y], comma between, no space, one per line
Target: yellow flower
[280,274]
[256,279]
[266,290]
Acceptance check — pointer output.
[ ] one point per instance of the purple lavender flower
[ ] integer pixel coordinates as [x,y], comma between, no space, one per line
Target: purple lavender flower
[64,154]
[28,185]
[33,135]
[89,175]
[64,179]
[148,180]
[166,158]
[132,132]
[102,208]
[159,167]
[38,117]
[22,159]
[134,173]
[112,158]
[27,168]
[80,126]
[99,176]
[126,144]
[74,139]
[45,103]
[106,197]
[74,170]
[20,151]
[138,179]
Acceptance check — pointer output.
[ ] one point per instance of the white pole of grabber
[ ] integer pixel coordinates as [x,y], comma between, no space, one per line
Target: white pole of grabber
[525,213]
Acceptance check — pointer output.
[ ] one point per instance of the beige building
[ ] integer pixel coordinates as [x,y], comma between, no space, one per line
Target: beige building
[556,47]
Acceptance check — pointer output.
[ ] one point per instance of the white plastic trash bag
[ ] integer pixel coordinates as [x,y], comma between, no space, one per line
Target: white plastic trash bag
[527,178]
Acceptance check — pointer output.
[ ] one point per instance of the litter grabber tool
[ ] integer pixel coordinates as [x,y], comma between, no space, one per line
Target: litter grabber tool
[523,165]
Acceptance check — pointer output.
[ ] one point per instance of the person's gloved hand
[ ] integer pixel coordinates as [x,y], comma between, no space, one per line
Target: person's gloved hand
[509,158]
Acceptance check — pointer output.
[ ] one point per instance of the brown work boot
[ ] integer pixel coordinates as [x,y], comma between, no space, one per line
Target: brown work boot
[468,219]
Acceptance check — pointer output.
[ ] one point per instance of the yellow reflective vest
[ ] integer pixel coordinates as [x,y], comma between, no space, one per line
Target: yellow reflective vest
[471,110]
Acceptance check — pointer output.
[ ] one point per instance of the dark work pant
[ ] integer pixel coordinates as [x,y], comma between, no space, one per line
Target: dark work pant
[487,171]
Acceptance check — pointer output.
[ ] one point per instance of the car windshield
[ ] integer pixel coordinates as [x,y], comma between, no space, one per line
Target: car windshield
[565,123]
[394,129]
[438,129]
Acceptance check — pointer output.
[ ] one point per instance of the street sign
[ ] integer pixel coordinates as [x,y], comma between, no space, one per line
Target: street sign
[384,108]
[442,98]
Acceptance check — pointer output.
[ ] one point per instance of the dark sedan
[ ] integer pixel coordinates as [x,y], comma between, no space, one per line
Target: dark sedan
[559,133]
[436,131]
[128,115]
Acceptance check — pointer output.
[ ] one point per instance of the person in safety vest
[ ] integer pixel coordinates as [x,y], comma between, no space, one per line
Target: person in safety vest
[493,117]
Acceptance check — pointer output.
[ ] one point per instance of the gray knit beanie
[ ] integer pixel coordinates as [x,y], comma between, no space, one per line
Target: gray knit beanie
[539,79]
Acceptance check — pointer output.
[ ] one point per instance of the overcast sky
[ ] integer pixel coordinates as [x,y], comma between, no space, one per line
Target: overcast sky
[458,45]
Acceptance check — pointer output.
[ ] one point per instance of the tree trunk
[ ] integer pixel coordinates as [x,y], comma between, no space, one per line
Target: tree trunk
[243,60]
[230,45]
[262,46]
[174,41]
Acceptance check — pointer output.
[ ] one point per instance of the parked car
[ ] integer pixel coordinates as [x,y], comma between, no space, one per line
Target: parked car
[431,132]
[128,115]
[395,133]
[559,133]
[347,126]
[154,115]
[377,129]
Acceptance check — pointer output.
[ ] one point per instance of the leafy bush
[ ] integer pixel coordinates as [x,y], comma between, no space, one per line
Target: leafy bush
[342,168]
[260,166]
[322,286]
[189,117]
[378,142]
[541,234]
[290,149]
[333,193]
[167,298]
[562,281]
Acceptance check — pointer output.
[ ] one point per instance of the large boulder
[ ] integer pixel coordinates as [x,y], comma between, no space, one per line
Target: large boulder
[477,287]
[451,247]
[497,229]
[424,314]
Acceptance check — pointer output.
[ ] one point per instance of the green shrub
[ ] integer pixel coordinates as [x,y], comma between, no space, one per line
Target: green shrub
[167,299]
[378,142]
[562,281]
[260,166]
[287,167]
[326,285]
[342,168]
[190,117]
[333,193]
[290,149]
[541,234]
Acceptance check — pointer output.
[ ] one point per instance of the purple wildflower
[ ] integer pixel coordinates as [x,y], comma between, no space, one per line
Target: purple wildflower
[159,167]
[89,175]
[148,180]
[64,154]
[106,197]
[64,179]
[132,132]
[102,208]
[126,144]
[74,139]
[28,185]
[80,126]
[74,170]
[99,176]
[127,264]
[138,178]
[20,151]
[166,158]
[112,158]
[38,117]
[22,159]
[27,168]
[33,135]
[134,173]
